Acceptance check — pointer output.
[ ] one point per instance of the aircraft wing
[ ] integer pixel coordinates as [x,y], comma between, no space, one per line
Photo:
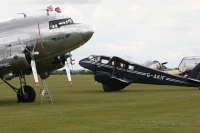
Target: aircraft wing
[193,80]
[124,60]
[121,80]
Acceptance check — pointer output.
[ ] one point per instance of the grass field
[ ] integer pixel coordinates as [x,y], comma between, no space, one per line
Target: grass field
[84,107]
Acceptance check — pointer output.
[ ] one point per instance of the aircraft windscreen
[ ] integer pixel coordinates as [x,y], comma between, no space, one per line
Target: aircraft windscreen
[94,58]
[57,23]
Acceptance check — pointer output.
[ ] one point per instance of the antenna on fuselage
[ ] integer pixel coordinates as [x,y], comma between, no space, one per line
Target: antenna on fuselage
[46,10]
[23,14]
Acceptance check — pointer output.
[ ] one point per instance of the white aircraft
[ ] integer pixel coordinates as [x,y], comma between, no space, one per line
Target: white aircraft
[187,64]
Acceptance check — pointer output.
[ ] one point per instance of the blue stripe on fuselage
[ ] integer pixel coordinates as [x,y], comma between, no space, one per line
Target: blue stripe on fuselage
[60,37]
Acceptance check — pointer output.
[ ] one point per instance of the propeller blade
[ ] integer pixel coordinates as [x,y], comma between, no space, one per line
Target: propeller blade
[72,62]
[33,66]
[34,46]
[41,42]
[68,73]
[23,45]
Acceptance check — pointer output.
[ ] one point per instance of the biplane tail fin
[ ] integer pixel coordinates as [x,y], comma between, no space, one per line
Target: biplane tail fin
[194,75]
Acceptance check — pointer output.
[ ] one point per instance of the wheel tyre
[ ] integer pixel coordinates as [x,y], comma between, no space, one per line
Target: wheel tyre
[30,94]
[107,90]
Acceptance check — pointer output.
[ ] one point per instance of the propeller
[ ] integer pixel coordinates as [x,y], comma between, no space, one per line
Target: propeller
[41,42]
[72,61]
[33,65]
[68,72]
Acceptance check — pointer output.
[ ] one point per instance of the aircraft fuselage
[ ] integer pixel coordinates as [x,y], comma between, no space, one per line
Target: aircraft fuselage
[115,73]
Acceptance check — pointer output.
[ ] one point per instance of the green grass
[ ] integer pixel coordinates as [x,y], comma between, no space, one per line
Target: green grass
[84,107]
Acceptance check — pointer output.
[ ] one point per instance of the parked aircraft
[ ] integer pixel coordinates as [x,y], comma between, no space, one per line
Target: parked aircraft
[187,64]
[161,66]
[115,73]
[38,45]
[155,65]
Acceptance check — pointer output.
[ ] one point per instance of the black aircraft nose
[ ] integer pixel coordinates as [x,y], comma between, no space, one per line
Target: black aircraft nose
[85,63]
[81,63]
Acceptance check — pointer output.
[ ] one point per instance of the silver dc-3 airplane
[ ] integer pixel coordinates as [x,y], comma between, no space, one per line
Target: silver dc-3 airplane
[38,45]
[115,73]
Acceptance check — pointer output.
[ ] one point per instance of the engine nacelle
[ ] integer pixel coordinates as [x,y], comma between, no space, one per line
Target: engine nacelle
[44,75]
[9,76]
[15,57]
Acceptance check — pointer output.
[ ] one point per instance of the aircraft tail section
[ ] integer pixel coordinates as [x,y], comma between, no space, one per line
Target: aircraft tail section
[194,75]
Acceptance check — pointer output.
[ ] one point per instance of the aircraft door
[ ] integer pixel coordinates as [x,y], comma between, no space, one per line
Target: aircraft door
[120,70]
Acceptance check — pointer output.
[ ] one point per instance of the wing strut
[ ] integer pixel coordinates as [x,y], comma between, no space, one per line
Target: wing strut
[114,67]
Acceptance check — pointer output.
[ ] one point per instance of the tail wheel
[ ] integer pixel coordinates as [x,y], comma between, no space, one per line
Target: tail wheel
[29,96]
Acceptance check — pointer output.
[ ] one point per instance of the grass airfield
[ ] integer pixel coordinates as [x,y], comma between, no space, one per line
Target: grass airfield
[84,107]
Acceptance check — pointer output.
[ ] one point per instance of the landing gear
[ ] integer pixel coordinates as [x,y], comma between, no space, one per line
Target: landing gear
[26,94]
[108,88]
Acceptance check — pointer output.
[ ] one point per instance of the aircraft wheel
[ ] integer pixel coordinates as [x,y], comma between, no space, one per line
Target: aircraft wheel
[29,96]
[107,88]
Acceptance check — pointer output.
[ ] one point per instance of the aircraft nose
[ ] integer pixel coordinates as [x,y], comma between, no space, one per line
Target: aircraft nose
[87,33]
[85,63]
[81,63]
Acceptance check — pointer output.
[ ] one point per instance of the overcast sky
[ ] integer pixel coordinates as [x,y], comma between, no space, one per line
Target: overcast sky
[162,30]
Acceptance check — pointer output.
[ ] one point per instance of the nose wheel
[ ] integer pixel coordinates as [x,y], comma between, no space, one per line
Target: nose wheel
[29,94]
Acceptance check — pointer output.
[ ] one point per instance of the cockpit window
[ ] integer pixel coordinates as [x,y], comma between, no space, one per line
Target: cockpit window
[104,61]
[94,58]
[57,23]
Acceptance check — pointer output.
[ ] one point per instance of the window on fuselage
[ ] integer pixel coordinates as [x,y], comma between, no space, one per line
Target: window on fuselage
[53,24]
[131,67]
[57,23]
[104,61]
